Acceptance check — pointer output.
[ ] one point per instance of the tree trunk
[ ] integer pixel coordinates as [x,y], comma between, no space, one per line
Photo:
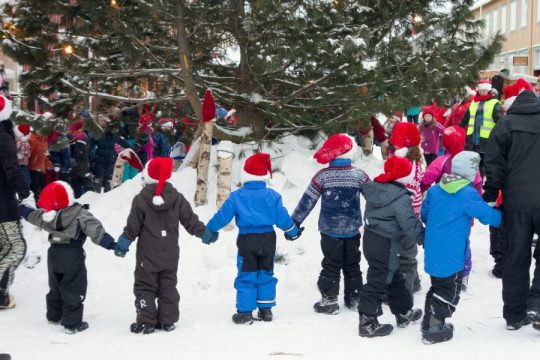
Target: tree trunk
[204,164]
[224,177]
[119,165]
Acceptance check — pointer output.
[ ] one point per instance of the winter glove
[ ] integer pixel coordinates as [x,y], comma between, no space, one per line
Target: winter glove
[25,211]
[490,196]
[294,233]
[23,194]
[107,242]
[122,246]
[26,198]
[208,236]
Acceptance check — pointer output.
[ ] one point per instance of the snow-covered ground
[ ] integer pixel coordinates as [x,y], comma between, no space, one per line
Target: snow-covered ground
[206,276]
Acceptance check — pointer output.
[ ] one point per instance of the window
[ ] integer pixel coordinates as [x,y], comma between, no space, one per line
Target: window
[538,10]
[495,23]
[513,14]
[503,18]
[487,21]
[524,13]
[536,55]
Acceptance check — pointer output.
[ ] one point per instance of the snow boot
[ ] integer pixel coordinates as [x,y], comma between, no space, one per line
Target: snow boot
[435,330]
[75,329]
[516,325]
[403,320]
[9,303]
[352,302]
[369,327]
[534,316]
[5,357]
[243,318]
[265,314]
[165,327]
[144,329]
[327,305]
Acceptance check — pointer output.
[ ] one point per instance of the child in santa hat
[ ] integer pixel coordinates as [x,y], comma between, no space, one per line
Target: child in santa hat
[339,186]
[68,224]
[447,211]
[406,140]
[453,141]
[22,134]
[153,219]
[256,210]
[431,131]
[389,218]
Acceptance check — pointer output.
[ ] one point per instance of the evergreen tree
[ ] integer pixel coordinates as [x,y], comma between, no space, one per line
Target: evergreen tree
[285,65]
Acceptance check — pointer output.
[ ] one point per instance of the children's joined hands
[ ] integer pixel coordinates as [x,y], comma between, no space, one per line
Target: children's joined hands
[208,237]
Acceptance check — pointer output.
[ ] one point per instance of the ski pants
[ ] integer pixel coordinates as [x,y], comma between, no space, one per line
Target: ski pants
[255,284]
[81,184]
[518,294]
[498,247]
[37,182]
[103,182]
[156,296]
[383,277]
[408,265]
[67,283]
[340,254]
[442,298]
[12,251]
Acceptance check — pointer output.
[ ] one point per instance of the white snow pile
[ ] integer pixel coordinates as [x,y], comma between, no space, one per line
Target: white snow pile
[206,275]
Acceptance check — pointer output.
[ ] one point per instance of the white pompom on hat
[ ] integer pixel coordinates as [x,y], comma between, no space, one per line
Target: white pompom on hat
[6,108]
[158,171]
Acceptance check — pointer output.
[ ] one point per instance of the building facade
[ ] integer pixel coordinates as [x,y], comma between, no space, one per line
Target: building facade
[519,22]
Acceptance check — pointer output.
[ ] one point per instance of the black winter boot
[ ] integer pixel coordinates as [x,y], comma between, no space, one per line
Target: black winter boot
[243,318]
[369,327]
[75,329]
[165,327]
[352,302]
[435,331]
[403,320]
[534,316]
[265,315]
[327,305]
[516,325]
[144,329]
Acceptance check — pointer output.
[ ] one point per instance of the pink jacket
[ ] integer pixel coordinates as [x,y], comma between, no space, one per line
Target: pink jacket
[443,165]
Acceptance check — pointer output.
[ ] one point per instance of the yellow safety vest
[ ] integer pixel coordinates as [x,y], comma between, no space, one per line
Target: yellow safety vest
[488,124]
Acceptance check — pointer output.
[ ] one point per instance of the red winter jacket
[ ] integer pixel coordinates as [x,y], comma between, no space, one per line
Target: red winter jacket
[458,110]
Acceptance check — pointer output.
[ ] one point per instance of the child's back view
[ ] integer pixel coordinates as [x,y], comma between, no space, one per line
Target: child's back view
[68,225]
[155,213]
[448,210]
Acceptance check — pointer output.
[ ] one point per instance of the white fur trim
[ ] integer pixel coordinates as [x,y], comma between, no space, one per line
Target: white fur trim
[158,200]
[49,216]
[147,180]
[484,86]
[245,177]
[351,154]
[509,101]
[407,180]
[7,110]
[69,191]
[401,152]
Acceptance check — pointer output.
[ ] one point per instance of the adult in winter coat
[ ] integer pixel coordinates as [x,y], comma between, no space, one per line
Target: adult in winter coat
[406,139]
[388,218]
[22,134]
[430,130]
[68,225]
[153,220]
[447,211]
[81,179]
[38,162]
[256,210]
[60,157]
[459,109]
[12,186]
[480,119]
[339,186]
[512,165]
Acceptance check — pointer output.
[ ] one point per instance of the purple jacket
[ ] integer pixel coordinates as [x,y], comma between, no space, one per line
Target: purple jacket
[443,165]
[430,138]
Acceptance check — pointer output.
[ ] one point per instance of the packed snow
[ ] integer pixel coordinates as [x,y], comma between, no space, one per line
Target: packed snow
[206,275]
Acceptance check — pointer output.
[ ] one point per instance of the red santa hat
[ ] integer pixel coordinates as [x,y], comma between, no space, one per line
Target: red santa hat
[469,92]
[258,167]
[22,131]
[158,171]
[397,169]
[54,197]
[145,120]
[484,85]
[453,139]
[166,123]
[511,91]
[428,110]
[398,115]
[131,157]
[337,146]
[208,107]
[6,108]
[404,136]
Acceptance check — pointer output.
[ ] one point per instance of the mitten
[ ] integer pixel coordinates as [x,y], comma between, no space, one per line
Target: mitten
[122,246]
[208,236]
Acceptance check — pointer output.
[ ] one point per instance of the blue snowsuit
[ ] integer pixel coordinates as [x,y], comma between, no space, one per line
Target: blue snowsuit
[256,210]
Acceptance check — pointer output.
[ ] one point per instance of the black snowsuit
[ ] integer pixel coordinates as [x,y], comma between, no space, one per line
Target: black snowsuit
[66,260]
[158,252]
[388,217]
[512,165]
[80,172]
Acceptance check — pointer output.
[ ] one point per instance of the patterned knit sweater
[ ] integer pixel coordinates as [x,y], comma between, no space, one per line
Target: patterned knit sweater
[339,185]
[414,188]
